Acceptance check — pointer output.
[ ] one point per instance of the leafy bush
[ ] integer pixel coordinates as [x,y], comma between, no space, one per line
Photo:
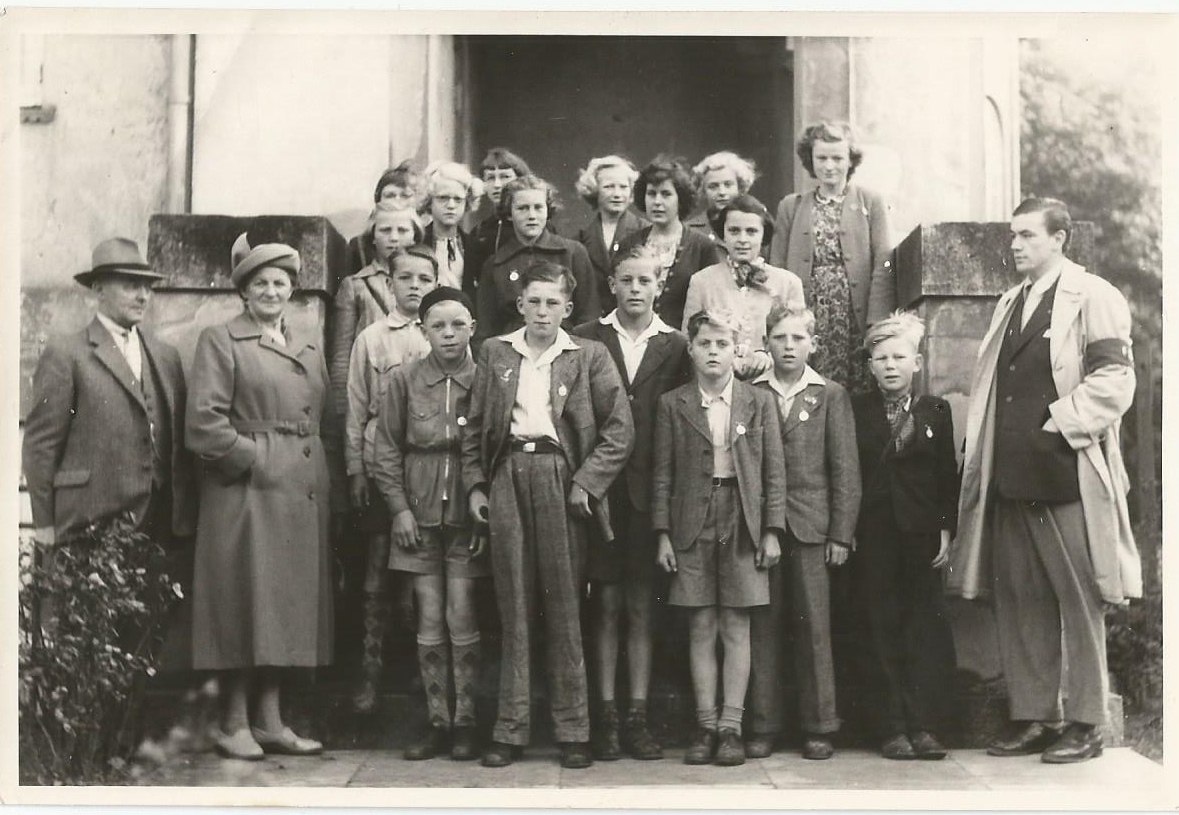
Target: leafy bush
[92,611]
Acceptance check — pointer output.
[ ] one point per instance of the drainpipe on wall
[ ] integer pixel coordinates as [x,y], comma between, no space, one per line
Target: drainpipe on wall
[180,115]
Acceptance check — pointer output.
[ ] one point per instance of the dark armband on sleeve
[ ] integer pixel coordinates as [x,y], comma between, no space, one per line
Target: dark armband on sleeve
[1100,353]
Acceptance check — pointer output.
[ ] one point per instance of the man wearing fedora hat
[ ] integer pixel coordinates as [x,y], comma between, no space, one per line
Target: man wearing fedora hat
[105,433]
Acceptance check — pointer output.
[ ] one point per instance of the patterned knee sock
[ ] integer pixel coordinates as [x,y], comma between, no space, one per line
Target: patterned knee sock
[730,717]
[376,619]
[432,661]
[466,676]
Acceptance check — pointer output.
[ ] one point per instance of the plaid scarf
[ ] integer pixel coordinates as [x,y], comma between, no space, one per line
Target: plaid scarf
[900,421]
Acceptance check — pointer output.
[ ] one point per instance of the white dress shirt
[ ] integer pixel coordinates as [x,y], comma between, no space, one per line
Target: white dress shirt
[449,253]
[786,395]
[719,409]
[532,415]
[127,341]
[1034,292]
[633,349]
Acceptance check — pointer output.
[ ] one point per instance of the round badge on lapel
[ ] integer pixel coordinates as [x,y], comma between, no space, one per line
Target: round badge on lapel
[562,391]
[803,415]
[513,275]
[461,421]
[740,430]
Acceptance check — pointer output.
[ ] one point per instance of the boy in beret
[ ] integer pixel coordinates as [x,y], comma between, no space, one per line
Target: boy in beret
[417,469]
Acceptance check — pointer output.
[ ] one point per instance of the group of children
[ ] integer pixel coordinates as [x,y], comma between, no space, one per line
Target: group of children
[588,448]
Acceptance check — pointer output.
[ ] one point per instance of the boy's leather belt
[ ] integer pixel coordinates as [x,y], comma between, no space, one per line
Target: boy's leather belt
[731,481]
[535,446]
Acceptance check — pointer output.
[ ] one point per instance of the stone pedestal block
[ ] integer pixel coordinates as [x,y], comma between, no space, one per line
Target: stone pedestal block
[178,317]
[193,250]
[970,260]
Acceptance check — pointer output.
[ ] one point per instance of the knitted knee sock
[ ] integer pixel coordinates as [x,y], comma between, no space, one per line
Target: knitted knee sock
[466,658]
[730,717]
[432,661]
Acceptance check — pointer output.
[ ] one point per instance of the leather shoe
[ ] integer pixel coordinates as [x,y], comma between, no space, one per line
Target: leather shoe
[817,748]
[1079,742]
[927,747]
[576,755]
[286,743]
[500,754]
[464,746]
[898,748]
[432,744]
[1035,738]
[730,751]
[702,748]
[760,746]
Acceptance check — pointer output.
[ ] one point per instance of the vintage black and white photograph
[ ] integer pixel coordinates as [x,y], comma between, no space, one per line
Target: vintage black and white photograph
[666,409]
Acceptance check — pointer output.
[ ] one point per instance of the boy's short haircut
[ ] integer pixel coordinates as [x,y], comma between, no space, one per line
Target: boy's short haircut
[904,325]
[546,271]
[781,311]
[416,251]
[713,317]
[642,253]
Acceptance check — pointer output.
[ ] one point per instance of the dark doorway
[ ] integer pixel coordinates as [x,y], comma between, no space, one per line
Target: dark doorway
[559,101]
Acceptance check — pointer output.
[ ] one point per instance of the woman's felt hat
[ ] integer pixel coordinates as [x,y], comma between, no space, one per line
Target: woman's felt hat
[116,256]
[247,259]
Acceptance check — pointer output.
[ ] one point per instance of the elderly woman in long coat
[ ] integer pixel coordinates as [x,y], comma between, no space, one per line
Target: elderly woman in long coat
[262,592]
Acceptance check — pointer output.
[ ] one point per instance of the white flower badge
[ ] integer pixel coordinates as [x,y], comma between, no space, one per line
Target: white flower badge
[928,432]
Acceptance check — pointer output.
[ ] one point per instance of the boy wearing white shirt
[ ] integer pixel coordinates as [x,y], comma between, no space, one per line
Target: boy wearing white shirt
[652,358]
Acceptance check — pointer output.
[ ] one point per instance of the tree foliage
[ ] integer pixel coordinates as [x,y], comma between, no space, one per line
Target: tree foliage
[1094,142]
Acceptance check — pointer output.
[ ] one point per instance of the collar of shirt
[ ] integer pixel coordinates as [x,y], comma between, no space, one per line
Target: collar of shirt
[433,374]
[563,342]
[657,326]
[725,396]
[1045,282]
[121,336]
[395,319]
[809,377]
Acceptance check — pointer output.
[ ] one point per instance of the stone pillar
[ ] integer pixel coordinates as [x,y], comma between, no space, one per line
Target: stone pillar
[952,274]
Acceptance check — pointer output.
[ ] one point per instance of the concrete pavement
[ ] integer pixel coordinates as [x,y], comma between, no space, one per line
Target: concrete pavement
[1120,779]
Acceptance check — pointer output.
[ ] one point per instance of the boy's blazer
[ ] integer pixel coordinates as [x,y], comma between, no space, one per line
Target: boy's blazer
[822,463]
[683,463]
[589,405]
[665,365]
[921,480]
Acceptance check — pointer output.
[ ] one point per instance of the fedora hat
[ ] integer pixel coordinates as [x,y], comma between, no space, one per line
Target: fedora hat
[119,256]
[246,259]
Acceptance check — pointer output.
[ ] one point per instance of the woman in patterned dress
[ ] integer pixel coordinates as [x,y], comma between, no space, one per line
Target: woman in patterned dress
[835,238]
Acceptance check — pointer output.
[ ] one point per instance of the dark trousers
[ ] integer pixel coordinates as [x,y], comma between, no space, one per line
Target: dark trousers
[800,610]
[538,565]
[904,614]
[1044,584]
